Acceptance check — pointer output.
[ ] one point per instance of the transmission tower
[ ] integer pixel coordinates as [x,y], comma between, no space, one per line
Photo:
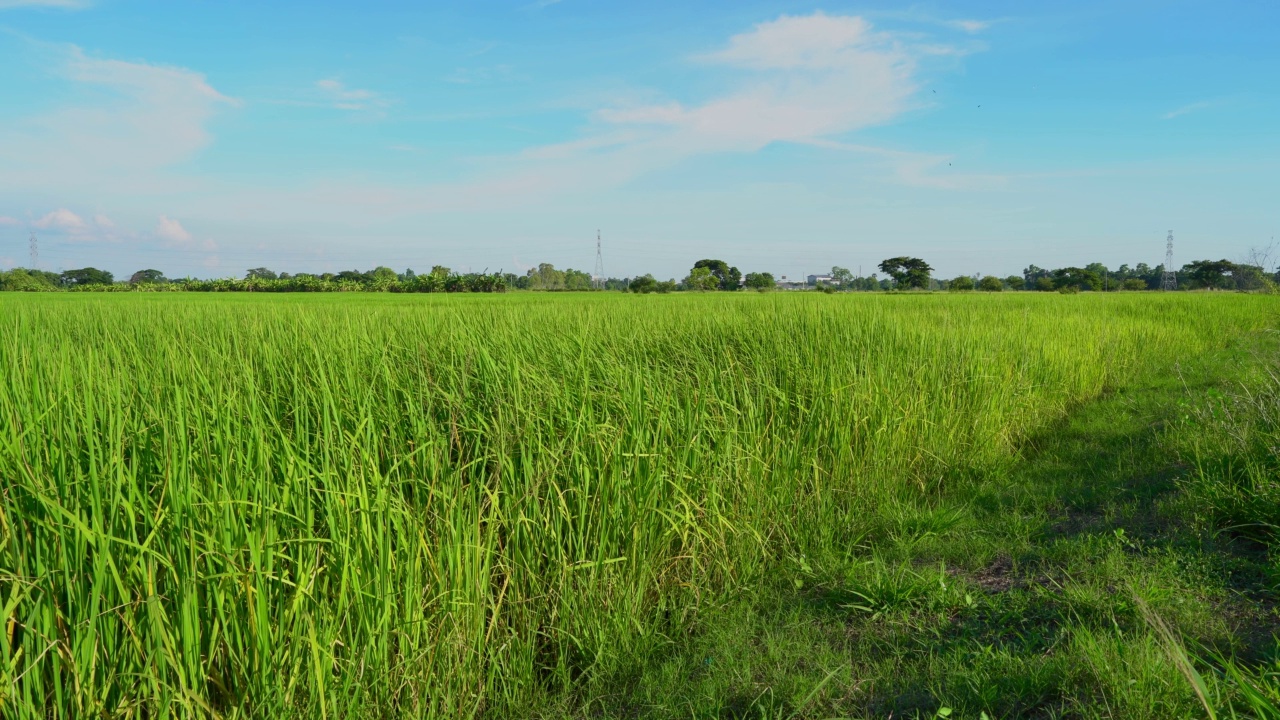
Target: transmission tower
[599,273]
[34,246]
[1170,279]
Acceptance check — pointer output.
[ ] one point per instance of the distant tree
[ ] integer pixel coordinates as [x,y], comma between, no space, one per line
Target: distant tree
[990,283]
[576,280]
[1104,275]
[383,275]
[1211,274]
[1078,278]
[1251,277]
[1032,275]
[352,276]
[408,275]
[841,277]
[1015,282]
[961,284]
[260,274]
[546,277]
[1135,284]
[701,279]
[760,281]
[728,277]
[146,277]
[1044,284]
[667,286]
[441,272]
[907,272]
[87,276]
[644,285]
[23,280]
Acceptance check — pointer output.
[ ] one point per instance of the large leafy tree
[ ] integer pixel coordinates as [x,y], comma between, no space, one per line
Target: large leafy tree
[144,277]
[1074,277]
[701,278]
[644,285]
[29,280]
[576,280]
[759,281]
[546,277]
[260,273]
[908,272]
[1208,273]
[383,274]
[87,276]
[1032,275]
[728,277]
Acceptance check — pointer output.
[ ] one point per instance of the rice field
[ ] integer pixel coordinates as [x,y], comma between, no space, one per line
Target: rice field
[460,506]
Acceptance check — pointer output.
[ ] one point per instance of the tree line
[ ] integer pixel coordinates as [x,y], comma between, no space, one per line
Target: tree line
[706,275]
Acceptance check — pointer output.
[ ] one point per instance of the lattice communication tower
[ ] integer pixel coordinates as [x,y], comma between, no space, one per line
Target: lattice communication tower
[598,280]
[34,246]
[1169,281]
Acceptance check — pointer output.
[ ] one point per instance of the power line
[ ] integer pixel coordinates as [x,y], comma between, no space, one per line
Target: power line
[1169,281]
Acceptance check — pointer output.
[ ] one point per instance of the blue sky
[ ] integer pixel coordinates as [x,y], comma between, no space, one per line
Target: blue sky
[204,138]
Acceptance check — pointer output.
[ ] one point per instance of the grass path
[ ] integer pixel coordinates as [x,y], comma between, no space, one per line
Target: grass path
[1035,593]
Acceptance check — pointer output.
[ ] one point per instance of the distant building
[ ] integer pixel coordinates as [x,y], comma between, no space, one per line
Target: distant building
[824,279]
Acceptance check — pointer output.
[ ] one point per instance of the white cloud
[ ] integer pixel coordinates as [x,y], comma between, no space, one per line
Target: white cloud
[170,230]
[341,97]
[172,234]
[6,221]
[135,120]
[66,4]
[103,222]
[812,42]
[970,26]
[815,76]
[811,80]
[62,220]
[1185,109]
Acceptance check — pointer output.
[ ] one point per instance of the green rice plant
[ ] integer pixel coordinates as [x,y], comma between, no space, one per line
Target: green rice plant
[456,506]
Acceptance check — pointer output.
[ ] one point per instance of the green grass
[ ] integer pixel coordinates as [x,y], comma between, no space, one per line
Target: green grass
[685,506]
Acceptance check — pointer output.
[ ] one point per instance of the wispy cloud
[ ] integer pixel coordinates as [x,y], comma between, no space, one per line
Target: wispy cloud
[813,76]
[969,26]
[341,97]
[1187,109]
[67,223]
[65,4]
[6,221]
[172,234]
[809,80]
[62,220]
[171,230]
[495,73]
[138,120]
